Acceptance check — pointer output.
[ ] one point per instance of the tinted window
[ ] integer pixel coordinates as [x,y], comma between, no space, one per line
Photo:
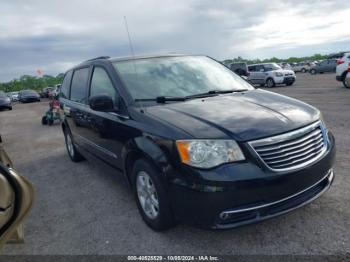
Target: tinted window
[66,85]
[251,68]
[79,83]
[258,68]
[102,84]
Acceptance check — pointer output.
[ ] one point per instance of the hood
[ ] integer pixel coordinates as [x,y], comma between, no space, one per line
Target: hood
[242,116]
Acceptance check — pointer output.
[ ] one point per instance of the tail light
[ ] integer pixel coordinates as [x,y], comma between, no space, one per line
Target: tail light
[340,61]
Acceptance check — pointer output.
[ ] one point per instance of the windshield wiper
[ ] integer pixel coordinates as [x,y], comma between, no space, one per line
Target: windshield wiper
[161,99]
[215,92]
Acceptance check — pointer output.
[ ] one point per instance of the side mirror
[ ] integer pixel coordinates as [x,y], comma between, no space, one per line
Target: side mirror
[103,103]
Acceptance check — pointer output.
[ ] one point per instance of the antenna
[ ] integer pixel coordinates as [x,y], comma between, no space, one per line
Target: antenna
[130,42]
[132,52]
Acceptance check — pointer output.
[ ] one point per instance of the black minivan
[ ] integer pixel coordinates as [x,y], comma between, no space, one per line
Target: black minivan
[196,142]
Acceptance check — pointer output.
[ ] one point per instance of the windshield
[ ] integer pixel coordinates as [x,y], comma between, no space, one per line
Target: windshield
[271,67]
[177,77]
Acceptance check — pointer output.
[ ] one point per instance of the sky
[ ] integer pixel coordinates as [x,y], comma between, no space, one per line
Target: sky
[55,35]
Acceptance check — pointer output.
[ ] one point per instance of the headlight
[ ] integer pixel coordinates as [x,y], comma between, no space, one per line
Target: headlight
[278,74]
[208,153]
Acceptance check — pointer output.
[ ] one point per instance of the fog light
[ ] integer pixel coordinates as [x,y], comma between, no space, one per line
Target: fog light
[224,216]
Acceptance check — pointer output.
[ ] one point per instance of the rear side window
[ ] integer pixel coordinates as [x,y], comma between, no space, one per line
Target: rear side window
[66,85]
[102,84]
[79,85]
[251,68]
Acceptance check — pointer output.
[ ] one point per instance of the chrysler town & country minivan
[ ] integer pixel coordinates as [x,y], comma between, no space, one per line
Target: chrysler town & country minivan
[196,142]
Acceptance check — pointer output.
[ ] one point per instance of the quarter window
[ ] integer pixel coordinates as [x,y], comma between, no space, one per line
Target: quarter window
[66,85]
[79,84]
[102,84]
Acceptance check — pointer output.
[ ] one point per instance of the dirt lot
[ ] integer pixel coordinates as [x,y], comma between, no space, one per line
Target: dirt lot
[79,209]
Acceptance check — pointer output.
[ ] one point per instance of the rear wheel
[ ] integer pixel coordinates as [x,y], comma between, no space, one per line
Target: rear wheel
[73,153]
[346,85]
[44,120]
[303,70]
[151,197]
[313,71]
[290,84]
[270,83]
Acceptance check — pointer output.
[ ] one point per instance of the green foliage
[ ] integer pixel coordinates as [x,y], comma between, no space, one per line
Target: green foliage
[31,82]
[276,60]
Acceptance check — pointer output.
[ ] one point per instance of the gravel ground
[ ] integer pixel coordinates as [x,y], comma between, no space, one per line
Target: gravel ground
[81,209]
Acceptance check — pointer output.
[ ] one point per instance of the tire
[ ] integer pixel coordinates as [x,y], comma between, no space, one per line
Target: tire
[50,121]
[10,108]
[313,71]
[150,191]
[44,120]
[262,85]
[73,153]
[303,70]
[289,84]
[270,83]
[344,83]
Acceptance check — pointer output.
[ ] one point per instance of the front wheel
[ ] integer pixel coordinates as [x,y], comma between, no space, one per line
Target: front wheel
[151,196]
[74,155]
[313,71]
[290,84]
[270,83]
[303,70]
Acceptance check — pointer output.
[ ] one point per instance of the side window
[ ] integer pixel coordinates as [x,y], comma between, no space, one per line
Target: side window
[102,84]
[79,85]
[258,68]
[251,68]
[66,85]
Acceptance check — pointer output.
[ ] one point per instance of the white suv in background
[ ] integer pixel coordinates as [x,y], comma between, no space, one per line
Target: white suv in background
[270,74]
[342,69]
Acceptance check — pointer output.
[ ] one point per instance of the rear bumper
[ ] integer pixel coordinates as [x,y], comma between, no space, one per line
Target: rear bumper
[339,78]
[253,195]
[289,80]
[30,99]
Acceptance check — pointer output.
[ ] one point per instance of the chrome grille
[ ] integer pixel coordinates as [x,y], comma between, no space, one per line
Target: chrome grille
[292,150]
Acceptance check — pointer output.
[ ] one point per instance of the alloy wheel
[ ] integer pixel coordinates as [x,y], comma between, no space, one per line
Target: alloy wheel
[147,195]
[70,146]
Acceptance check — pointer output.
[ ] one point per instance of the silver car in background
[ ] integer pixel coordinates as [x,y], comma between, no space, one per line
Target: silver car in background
[270,74]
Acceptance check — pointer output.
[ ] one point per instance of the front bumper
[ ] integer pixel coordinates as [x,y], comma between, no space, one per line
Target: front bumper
[5,105]
[254,193]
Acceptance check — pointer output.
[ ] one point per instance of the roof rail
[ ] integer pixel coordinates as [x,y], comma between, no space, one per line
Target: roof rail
[97,58]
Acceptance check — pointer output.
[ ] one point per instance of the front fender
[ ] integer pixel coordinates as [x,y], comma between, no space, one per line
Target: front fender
[154,149]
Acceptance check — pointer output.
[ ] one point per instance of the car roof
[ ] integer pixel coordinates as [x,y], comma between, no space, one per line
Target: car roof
[127,58]
[263,64]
